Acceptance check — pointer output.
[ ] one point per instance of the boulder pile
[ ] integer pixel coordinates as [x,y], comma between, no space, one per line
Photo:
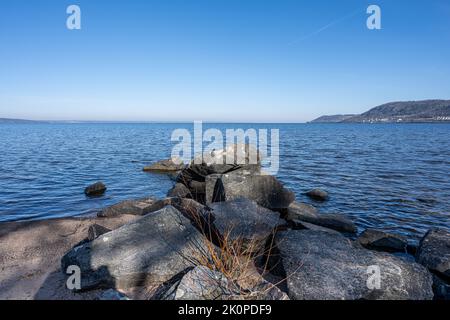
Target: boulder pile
[220,217]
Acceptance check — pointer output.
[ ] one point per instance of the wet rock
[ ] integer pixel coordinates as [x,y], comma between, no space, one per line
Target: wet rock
[382,241]
[179,190]
[321,266]
[152,249]
[317,194]
[96,189]
[300,212]
[137,207]
[96,231]
[434,252]
[243,219]
[168,165]
[266,190]
[301,225]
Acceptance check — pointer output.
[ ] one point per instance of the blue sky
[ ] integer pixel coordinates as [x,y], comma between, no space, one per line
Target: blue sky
[218,60]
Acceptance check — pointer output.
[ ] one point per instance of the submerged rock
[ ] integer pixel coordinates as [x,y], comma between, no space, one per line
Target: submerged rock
[168,165]
[382,241]
[243,219]
[434,252]
[317,194]
[266,190]
[321,266]
[96,189]
[137,207]
[152,249]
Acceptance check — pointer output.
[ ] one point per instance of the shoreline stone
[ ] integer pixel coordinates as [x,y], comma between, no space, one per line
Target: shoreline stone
[322,266]
[151,249]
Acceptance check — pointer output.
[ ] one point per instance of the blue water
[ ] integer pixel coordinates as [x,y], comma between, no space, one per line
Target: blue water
[394,177]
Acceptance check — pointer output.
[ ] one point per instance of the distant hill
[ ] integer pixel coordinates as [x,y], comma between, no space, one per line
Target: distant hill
[408,111]
[333,118]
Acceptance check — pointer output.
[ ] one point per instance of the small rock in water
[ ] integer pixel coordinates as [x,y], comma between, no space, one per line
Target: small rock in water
[317,194]
[168,165]
[95,189]
[382,241]
[434,252]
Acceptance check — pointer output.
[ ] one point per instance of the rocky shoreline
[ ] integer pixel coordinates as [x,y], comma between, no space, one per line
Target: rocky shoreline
[224,231]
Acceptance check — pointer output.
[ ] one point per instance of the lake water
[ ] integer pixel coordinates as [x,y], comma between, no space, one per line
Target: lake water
[394,177]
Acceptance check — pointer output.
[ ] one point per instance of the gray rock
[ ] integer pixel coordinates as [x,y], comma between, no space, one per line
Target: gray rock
[202,283]
[300,212]
[382,241]
[95,189]
[151,249]
[266,190]
[137,207]
[243,219]
[321,266]
[96,231]
[218,162]
[165,166]
[434,252]
[317,194]
[306,225]
[179,190]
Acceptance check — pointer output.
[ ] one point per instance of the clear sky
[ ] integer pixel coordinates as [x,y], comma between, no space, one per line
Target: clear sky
[218,60]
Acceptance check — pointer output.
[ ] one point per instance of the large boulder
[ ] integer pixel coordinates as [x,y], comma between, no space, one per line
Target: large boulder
[266,190]
[434,252]
[382,241]
[96,189]
[321,265]
[138,207]
[300,212]
[168,165]
[152,249]
[244,220]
